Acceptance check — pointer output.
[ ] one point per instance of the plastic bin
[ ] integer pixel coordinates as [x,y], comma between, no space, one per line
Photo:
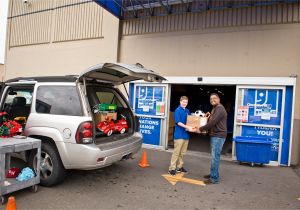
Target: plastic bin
[254,150]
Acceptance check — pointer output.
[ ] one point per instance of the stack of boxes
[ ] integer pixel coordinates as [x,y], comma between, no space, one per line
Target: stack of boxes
[105,112]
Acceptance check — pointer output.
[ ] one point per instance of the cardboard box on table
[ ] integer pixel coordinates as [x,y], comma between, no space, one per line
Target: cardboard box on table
[102,116]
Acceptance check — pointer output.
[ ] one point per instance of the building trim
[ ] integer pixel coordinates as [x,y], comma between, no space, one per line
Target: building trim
[287,81]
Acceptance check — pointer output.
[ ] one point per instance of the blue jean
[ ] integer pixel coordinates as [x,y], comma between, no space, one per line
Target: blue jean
[216,144]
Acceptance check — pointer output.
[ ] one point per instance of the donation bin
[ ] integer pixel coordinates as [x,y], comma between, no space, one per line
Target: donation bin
[254,150]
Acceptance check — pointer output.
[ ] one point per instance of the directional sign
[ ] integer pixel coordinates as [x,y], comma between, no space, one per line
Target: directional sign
[179,178]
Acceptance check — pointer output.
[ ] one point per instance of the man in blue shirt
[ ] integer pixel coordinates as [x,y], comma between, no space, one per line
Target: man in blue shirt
[181,137]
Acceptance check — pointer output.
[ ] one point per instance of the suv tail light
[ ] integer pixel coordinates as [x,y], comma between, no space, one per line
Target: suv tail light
[137,124]
[84,134]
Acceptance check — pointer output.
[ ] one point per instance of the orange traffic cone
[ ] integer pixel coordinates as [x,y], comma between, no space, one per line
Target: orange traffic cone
[144,162]
[11,203]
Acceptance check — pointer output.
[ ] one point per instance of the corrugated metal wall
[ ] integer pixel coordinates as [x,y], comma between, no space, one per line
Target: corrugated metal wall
[45,21]
[80,21]
[260,15]
[32,28]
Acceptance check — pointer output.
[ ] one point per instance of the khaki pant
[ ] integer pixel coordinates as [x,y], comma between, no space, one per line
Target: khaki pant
[180,148]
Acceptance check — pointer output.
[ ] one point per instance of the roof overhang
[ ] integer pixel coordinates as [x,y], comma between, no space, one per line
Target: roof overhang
[134,9]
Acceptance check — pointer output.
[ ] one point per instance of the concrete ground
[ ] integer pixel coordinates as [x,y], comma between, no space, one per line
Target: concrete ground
[127,186]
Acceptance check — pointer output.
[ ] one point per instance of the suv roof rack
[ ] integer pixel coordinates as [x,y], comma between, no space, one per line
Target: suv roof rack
[67,78]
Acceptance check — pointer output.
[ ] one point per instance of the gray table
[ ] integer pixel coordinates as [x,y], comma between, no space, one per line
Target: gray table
[14,145]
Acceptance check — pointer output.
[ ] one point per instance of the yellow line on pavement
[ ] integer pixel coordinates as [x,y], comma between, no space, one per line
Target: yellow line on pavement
[179,178]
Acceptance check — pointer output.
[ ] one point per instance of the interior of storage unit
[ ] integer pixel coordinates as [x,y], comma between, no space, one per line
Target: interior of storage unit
[199,100]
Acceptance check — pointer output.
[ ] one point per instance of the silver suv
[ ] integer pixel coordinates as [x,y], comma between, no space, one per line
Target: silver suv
[59,111]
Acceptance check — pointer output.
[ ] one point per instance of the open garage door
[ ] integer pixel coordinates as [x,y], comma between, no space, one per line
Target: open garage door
[199,100]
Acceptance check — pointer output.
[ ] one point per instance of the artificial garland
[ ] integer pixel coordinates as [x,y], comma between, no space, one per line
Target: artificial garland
[8,128]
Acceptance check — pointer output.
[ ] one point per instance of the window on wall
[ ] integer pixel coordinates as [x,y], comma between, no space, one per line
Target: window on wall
[58,100]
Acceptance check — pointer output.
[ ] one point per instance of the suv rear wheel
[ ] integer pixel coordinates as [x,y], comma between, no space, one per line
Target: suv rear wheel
[52,170]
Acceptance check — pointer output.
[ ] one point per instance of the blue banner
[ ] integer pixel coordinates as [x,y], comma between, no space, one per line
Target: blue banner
[264,106]
[269,133]
[149,100]
[150,128]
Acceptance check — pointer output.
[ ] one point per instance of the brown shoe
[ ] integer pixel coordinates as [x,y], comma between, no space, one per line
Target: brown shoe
[206,176]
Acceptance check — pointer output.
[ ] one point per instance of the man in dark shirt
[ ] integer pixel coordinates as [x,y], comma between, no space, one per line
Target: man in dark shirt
[217,124]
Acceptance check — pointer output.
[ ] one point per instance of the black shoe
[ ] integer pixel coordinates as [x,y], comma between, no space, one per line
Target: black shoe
[181,170]
[206,176]
[172,172]
[208,182]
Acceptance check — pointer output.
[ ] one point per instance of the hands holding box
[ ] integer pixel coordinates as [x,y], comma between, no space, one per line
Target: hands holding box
[194,122]
[190,129]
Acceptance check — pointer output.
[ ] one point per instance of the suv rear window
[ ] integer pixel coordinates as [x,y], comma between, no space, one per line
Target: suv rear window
[99,95]
[58,100]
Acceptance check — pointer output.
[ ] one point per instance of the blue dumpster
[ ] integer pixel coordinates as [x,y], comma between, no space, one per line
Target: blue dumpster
[254,150]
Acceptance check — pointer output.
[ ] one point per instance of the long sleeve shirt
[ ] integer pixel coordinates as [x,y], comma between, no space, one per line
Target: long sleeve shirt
[217,122]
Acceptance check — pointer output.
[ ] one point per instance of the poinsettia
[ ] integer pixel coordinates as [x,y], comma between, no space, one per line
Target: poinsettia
[13,127]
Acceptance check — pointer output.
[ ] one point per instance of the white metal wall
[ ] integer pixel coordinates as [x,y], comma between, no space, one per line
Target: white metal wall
[45,21]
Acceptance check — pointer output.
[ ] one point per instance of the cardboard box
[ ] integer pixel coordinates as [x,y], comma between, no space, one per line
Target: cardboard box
[196,121]
[102,116]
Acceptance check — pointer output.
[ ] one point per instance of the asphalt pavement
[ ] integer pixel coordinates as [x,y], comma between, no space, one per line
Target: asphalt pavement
[125,185]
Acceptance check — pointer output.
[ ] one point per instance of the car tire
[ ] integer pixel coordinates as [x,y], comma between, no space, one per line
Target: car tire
[52,171]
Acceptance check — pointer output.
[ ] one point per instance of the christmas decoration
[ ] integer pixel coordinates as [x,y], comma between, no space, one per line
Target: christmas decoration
[8,128]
